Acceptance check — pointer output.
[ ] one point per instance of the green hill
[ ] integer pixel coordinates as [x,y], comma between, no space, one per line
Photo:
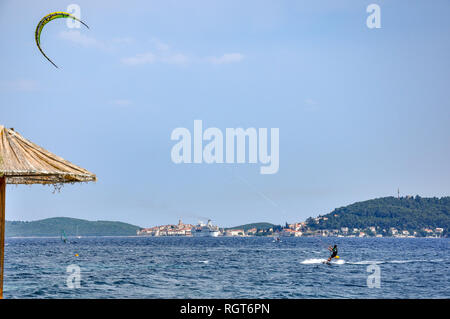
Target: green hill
[258,226]
[70,226]
[405,213]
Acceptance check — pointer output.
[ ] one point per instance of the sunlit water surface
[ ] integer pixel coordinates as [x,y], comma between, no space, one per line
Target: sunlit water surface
[181,267]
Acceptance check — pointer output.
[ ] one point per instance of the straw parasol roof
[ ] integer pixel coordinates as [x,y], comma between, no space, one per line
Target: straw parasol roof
[23,162]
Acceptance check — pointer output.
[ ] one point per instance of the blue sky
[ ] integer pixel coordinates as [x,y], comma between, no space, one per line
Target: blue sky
[361,111]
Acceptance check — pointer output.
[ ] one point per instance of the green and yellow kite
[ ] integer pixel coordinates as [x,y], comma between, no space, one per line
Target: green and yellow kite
[47,19]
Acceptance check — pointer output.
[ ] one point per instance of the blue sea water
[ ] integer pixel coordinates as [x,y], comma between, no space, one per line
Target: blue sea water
[181,267]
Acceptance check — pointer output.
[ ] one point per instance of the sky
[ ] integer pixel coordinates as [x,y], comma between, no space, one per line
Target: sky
[361,112]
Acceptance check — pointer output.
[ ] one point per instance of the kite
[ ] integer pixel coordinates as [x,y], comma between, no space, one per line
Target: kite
[45,20]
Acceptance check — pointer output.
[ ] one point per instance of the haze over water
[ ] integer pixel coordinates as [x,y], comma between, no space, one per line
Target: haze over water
[181,267]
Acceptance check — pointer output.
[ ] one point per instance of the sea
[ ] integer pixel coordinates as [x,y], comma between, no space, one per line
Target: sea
[226,267]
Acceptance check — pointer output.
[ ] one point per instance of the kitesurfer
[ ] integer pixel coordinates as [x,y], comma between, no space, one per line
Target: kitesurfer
[334,252]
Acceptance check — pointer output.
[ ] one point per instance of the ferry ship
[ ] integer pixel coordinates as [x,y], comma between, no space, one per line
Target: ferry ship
[208,230]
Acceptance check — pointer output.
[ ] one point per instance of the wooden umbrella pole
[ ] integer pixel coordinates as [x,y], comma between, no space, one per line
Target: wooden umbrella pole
[2,230]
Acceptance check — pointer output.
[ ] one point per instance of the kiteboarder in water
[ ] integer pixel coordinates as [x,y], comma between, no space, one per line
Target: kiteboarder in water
[334,252]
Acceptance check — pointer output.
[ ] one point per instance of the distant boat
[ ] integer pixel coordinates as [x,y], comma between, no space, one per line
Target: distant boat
[208,230]
[78,236]
[64,237]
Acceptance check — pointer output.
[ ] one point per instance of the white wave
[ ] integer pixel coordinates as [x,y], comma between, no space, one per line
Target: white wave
[312,261]
[369,262]
[436,260]
[204,261]
[321,261]
[366,262]
[407,261]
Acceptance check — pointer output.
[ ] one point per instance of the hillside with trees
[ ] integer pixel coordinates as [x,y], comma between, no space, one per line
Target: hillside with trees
[68,226]
[413,214]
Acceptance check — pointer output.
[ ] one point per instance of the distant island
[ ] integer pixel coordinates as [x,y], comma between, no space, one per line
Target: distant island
[406,216]
[58,226]
[401,217]
[388,216]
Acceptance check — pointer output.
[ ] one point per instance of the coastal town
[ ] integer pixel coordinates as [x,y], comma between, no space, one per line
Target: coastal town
[299,229]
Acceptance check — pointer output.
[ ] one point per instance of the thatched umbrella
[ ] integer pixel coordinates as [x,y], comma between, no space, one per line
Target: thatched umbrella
[23,162]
